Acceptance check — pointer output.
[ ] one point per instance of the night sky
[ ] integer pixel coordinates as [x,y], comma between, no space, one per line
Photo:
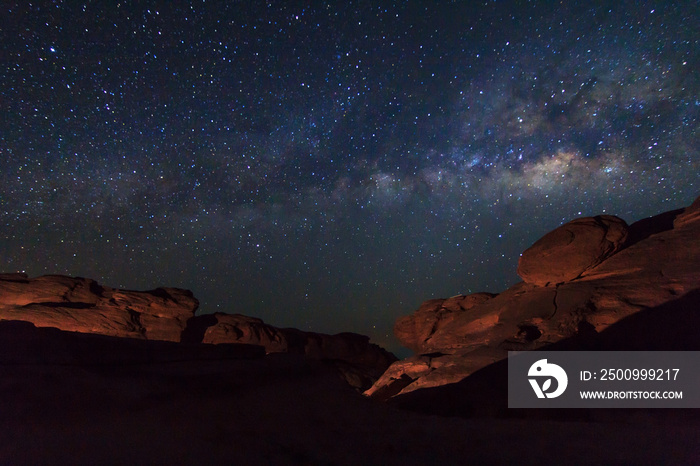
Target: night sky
[329,166]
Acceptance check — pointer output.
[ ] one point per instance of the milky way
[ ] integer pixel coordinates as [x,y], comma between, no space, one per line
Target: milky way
[329,167]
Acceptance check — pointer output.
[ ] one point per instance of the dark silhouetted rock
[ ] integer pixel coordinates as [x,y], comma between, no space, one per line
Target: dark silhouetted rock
[24,343]
[71,398]
[661,265]
[82,305]
[358,360]
[568,251]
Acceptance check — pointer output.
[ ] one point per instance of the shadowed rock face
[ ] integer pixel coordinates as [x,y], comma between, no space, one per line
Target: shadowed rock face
[359,361]
[581,278]
[82,305]
[71,398]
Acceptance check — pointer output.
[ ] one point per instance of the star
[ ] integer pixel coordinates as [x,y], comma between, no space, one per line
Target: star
[335,166]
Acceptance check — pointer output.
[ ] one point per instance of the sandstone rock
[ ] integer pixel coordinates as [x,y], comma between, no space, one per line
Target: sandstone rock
[415,331]
[430,370]
[659,265]
[575,247]
[349,346]
[359,361]
[237,328]
[82,305]
[689,214]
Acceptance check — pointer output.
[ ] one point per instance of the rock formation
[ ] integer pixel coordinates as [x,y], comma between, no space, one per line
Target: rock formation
[168,314]
[69,397]
[235,328]
[416,330]
[578,279]
[575,247]
[83,305]
[360,361]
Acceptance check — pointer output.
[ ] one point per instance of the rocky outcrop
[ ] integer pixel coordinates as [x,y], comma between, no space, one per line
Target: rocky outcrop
[591,274]
[673,326]
[236,328]
[24,343]
[83,305]
[575,247]
[358,360]
[416,331]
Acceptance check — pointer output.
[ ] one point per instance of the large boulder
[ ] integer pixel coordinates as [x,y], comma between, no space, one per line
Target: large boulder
[83,305]
[659,266]
[575,247]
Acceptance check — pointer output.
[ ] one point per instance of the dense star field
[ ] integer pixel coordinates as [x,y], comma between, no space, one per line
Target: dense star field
[330,166]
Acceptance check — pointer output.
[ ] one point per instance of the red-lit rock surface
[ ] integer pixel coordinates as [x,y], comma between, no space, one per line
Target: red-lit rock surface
[415,331]
[575,247]
[236,328]
[83,305]
[659,263]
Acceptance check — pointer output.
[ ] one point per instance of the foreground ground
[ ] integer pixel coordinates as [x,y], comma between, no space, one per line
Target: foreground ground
[69,398]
